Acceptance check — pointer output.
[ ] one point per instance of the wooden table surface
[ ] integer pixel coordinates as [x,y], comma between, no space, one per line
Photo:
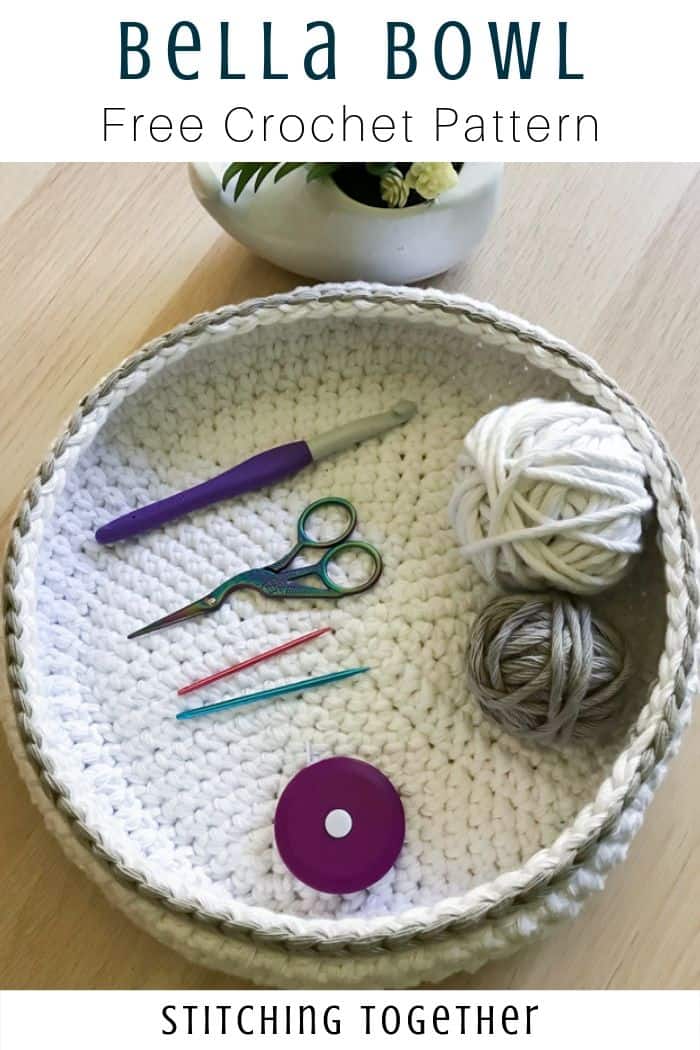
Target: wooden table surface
[97,259]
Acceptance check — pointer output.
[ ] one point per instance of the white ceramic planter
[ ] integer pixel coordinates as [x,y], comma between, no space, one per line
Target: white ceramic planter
[316,230]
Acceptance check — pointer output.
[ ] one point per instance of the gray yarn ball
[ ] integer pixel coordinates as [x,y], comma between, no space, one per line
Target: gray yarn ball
[545,668]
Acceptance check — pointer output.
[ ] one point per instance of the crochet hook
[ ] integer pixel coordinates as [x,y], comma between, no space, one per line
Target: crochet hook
[258,658]
[269,694]
[255,473]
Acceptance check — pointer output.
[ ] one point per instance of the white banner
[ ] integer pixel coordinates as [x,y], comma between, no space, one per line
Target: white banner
[353,81]
[576,1020]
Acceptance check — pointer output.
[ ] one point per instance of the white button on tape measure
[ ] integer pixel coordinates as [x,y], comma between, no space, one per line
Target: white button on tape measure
[338,823]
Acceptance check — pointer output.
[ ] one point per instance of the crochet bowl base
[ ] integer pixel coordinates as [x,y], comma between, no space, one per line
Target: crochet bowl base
[183,812]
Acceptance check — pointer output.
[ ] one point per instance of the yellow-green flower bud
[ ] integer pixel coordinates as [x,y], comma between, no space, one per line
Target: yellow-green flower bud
[393,188]
[431,179]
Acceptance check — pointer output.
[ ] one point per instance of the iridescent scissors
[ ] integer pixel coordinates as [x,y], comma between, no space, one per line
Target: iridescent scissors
[279,580]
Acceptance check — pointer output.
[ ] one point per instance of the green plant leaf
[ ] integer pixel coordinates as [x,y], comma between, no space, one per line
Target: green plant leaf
[264,171]
[319,171]
[244,172]
[247,172]
[232,170]
[287,169]
[379,169]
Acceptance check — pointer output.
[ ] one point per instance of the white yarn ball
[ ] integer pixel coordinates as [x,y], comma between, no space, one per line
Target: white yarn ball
[550,493]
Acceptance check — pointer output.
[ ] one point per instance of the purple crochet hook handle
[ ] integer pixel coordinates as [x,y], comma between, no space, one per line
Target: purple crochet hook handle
[257,472]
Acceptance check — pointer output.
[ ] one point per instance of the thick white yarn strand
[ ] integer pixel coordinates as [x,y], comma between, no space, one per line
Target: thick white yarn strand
[550,493]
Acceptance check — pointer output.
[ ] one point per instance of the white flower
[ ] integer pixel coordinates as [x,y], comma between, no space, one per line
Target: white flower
[393,188]
[430,179]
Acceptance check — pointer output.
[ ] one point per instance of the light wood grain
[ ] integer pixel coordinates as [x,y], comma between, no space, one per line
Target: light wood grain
[96,259]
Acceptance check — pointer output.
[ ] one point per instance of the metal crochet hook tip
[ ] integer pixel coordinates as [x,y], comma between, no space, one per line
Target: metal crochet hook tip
[348,434]
[404,410]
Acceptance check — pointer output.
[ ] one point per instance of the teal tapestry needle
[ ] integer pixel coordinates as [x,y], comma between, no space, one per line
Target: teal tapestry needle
[268,694]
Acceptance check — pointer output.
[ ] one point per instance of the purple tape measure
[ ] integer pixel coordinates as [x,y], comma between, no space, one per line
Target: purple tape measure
[339,825]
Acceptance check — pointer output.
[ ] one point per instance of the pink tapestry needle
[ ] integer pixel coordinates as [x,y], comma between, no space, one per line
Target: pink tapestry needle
[252,660]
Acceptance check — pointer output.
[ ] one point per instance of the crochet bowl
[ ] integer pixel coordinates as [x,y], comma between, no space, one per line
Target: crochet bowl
[175,819]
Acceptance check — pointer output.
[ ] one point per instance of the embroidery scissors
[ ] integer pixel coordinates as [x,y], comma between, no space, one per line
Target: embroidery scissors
[279,580]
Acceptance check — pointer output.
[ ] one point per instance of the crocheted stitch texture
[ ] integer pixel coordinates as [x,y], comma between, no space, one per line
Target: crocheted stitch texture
[187,810]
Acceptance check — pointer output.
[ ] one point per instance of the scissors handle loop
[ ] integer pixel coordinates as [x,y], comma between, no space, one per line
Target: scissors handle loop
[278,580]
[342,548]
[327,501]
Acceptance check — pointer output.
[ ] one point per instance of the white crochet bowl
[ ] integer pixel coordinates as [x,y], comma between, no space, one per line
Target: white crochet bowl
[174,819]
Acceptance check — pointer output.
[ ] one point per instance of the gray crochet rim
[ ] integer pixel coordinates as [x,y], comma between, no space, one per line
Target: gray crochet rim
[659,747]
